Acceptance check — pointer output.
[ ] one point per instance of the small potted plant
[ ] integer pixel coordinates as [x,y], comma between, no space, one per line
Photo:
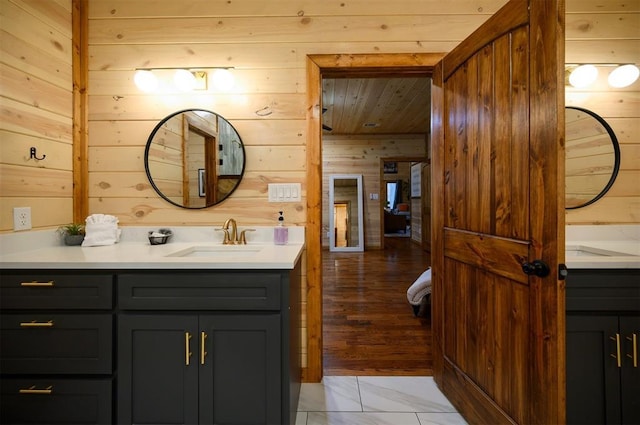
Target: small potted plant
[72,233]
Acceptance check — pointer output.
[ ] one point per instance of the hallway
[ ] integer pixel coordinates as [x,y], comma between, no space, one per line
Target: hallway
[368,325]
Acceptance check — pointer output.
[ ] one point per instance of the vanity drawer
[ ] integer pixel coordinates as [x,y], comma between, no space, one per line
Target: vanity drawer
[56,343]
[55,401]
[56,290]
[603,290]
[200,291]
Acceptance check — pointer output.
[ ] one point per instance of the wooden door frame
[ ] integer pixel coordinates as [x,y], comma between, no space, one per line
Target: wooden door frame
[319,67]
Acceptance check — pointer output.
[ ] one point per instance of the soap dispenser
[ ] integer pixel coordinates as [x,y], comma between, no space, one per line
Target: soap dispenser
[280,233]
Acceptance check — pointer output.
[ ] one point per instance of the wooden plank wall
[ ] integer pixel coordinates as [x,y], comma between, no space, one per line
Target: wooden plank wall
[36,105]
[361,154]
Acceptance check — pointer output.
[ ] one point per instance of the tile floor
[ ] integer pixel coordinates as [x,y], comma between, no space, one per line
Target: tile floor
[375,400]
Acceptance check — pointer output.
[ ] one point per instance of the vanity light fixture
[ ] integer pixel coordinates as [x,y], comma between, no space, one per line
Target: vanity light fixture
[583,75]
[146,80]
[184,79]
[623,76]
[223,80]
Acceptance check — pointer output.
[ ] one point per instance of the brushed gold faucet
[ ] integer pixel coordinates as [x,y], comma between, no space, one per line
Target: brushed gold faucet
[231,237]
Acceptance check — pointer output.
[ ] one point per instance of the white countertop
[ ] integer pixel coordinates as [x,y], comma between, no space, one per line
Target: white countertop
[43,249]
[134,251]
[611,239]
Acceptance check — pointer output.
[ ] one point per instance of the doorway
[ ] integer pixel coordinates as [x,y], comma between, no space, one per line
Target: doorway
[342,220]
[319,66]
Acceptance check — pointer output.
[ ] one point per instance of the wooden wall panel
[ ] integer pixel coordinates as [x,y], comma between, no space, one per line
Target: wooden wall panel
[28,182]
[139,8]
[303,29]
[36,111]
[15,149]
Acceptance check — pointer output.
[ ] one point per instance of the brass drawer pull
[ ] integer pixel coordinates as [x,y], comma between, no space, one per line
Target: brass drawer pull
[37,284]
[34,390]
[34,324]
[203,353]
[187,348]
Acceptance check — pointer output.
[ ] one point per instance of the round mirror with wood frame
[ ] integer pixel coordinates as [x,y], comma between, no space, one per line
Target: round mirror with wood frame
[592,157]
[194,158]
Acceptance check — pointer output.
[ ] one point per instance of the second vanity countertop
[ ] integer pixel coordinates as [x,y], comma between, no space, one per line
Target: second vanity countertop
[134,252]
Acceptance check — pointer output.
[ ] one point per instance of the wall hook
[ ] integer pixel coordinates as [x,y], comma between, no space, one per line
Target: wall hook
[34,155]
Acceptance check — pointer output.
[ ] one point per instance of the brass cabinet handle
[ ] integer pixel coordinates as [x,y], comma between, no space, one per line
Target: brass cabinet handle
[34,324]
[38,284]
[617,355]
[203,353]
[33,390]
[187,348]
[634,347]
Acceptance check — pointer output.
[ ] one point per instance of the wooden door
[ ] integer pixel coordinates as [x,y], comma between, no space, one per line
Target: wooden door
[498,204]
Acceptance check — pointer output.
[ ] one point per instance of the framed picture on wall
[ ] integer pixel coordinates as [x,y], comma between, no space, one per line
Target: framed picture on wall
[416,180]
[390,168]
[201,182]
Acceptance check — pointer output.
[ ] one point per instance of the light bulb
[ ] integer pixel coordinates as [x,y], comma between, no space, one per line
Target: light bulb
[583,76]
[145,80]
[223,80]
[184,80]
[623,76]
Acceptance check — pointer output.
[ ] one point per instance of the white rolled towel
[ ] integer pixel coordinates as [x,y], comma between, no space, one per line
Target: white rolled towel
[100,230]
[420,288]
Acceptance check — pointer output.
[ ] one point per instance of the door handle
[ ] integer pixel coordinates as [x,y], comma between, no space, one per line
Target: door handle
[187,348]
[37,284]
[617,355]
[34,324]
[203,353]
[536,267]
[33,390]
[634,347]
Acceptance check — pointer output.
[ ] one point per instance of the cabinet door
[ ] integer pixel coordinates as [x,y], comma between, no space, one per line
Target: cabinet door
[630,373]
[593,376]
[240,379]
[157,369]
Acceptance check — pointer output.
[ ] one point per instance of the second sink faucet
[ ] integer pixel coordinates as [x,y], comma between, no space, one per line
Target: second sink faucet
[232,237]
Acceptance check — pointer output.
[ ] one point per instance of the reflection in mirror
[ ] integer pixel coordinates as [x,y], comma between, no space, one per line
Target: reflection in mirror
[592,157]
[194,158]
[345,213]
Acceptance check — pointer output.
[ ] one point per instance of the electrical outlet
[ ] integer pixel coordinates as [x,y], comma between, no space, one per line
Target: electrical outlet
[22,218]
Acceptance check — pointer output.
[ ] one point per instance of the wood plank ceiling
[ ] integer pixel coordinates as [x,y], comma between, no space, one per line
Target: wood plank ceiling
[389,105]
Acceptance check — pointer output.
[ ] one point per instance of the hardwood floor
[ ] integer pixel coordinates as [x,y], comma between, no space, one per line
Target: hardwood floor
[368,325]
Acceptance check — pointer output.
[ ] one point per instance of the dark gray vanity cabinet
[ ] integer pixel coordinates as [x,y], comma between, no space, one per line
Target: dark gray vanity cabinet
[208,347]
[56,338]
[603,333]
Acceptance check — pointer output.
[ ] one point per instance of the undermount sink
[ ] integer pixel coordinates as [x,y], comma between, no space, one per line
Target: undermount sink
[236,251]
[588,251]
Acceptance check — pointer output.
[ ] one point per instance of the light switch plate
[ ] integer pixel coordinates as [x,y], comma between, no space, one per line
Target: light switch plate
[285,192]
